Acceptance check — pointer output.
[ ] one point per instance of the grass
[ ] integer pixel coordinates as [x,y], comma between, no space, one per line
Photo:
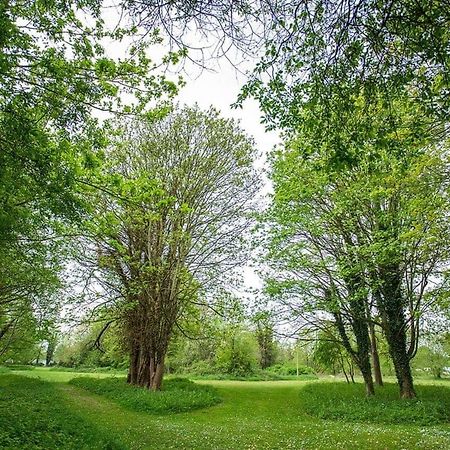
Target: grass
[48,374]
[262,376]
[33,417]
[177,395]
[346,402]
[253,415]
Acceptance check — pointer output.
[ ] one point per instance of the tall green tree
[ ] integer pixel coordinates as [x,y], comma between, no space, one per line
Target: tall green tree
[362,238]
[55,75]
[184,187]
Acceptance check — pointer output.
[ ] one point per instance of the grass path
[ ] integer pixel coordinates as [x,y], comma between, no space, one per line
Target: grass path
[253,415]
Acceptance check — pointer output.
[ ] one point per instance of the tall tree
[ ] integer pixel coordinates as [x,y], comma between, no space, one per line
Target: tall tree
[184,187]
[363,238]
[54,74]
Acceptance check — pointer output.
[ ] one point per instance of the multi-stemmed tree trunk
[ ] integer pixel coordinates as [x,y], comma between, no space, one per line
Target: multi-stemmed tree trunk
[361,354]
[185,185]
[391,305]
[149,327]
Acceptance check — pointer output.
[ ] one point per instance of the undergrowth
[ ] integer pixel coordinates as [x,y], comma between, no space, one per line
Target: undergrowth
[33,417]
[347,402]
[177,395]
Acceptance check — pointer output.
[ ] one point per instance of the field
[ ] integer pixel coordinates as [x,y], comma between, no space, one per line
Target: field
[41,409]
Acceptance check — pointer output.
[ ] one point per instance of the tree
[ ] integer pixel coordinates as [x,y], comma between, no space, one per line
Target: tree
[362,239]
[183,189]
[54,75]
[264,335]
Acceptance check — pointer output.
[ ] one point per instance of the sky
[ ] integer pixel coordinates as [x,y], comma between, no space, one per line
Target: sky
[220,89]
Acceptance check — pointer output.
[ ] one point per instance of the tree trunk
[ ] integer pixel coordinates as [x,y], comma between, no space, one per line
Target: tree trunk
[390,305]
[375,356]
[361,355]
[352,372]
[361,332]
[343,370]
[402,367]
[134,365]
[157,377]
[50,351]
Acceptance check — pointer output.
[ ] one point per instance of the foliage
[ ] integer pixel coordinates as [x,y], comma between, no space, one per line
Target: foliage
[433,356]
[265,336]
[33,416]
[238,354]
[82,349]
[344,402]
[177,394]
[324,52]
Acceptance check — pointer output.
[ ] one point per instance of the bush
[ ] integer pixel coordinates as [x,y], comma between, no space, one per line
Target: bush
[177,395]
[82,369]
[347,402]
[201,368]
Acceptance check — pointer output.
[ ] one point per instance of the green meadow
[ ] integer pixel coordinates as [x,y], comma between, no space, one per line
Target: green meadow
[48,409]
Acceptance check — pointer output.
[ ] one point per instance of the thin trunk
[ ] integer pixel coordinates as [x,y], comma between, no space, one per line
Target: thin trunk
[352,372]
[375,356]
[341,360]
[38,357]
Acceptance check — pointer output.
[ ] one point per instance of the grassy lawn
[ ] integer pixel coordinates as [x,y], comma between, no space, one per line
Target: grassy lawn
[252,415]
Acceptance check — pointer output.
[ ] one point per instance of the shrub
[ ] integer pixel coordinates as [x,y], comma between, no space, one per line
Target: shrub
[177,395]
[19,367]
[347,402]
[289,369]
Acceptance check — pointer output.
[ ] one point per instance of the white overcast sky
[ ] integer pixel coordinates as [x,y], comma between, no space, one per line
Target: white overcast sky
[220,88]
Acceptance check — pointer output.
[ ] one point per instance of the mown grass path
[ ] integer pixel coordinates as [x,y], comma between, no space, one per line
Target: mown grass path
[253,415]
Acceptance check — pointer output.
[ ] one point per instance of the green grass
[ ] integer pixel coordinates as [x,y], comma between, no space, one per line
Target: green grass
[347,402]
[48,374]
[252,415]
[33,417]
[4,369]
[262,376]
[177,395]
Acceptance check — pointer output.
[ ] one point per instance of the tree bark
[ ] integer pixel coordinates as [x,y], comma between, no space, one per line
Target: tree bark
[361,355]
[391,307]
[375,356]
